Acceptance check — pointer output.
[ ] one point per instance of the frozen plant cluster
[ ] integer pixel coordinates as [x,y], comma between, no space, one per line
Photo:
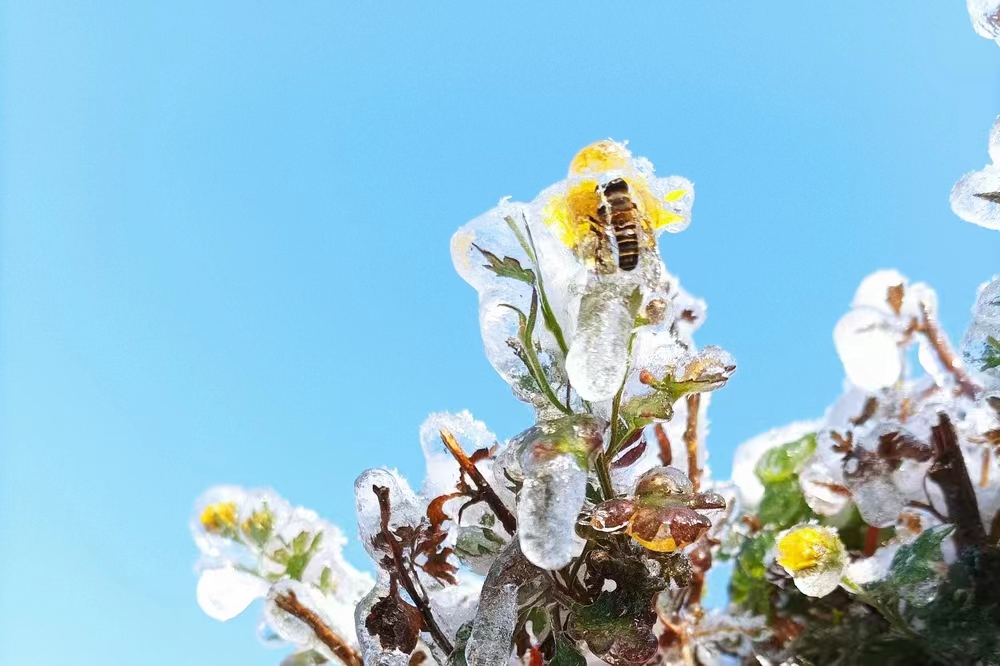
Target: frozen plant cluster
[255,545]
[869,535]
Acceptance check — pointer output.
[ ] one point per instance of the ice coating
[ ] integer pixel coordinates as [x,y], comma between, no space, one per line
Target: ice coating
[598,356]
[814,556]
[407,509]
[225,592]
[985,15]
[869,349]
[749,452]
[543,257]
[372,651]
[976,196]
[493,628]
[548,505]
[442,469]
[981,343]
[555,458]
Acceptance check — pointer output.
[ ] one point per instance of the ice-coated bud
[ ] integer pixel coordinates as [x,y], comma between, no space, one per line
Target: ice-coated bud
[868,346]
[813,556]
[225,592]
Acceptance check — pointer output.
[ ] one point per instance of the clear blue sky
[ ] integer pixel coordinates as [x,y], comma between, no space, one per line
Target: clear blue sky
[224,247]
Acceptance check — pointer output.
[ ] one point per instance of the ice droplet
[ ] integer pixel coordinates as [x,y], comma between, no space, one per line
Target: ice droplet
[598,355]
[878,499]
[547,509]
[869,349]
[226,592]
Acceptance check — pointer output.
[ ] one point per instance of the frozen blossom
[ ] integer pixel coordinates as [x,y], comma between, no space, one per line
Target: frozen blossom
[976,197]
[254,544]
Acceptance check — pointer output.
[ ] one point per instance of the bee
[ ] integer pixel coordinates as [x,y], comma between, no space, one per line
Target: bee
[608,213]
[619,213]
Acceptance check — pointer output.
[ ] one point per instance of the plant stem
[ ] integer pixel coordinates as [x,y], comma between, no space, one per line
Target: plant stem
[289,603]
[547,314]
[604,475]
[691,439]
[942,347]
[417,594]
[492,500]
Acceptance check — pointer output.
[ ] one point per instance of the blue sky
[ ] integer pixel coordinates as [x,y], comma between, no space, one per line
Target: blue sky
[224,245]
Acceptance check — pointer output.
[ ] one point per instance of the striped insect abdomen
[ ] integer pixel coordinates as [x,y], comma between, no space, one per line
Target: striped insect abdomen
[621,212]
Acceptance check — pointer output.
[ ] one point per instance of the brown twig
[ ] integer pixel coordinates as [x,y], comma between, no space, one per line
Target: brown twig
[418,596]
[666,451]
[489,495]
[288,602]
[950,473]
[942,347]
[691,439]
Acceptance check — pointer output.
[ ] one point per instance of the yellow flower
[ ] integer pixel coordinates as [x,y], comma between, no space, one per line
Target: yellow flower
[219,517]
[259,525]
[805,548]
[605,155]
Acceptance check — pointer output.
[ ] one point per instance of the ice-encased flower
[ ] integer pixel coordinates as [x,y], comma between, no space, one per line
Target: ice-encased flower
[813,556]
[976,196]
[542,247]
[662,512]
[871,338]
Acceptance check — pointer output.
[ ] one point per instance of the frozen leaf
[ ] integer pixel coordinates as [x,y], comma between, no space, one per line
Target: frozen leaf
[918,568]
[507,267]
[567,654]
[493,629]
[396,623]
[617,627]
[784,462]
[783,504]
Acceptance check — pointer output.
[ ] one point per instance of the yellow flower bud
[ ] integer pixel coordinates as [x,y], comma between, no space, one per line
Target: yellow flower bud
[601,156]
[219,517]
[814,556]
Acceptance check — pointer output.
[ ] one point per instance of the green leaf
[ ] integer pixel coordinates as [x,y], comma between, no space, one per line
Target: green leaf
[991,356]
[618,626]
[748,587]
[783,505]
[457,657]
[782,462]
[917,569]
[508,267]
[567,654]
